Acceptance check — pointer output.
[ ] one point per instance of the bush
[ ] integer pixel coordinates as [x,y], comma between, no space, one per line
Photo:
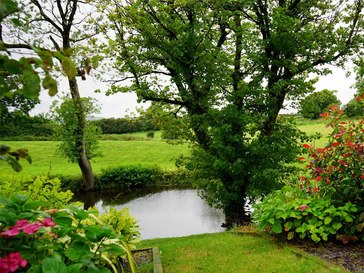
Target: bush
[127,177]
[41,188]
[150,135]
[65,240]
[354,108]
[295,213]
[316,103]
[330,199]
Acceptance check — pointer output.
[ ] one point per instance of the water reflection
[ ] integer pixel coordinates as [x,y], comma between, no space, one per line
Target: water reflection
[170,213]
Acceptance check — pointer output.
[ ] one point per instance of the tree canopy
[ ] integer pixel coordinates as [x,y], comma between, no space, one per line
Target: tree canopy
[226,68]
[316,103]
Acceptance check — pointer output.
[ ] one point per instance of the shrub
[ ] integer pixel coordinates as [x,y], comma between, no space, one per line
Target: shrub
[42,188]
[150,135]
[127,177]
[330,199]
[295,213]
[65,240]
[314,104]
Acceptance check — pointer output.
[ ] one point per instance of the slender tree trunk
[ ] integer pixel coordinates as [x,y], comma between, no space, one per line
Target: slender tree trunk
[83,161]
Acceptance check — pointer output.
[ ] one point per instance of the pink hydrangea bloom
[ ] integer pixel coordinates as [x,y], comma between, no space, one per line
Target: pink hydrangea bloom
[48,222]
[12,262]
[31,228]
[13,231]
[21,223]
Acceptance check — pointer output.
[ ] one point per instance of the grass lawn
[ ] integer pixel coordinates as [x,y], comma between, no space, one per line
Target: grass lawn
[153,152]
[115,153]
[231,253]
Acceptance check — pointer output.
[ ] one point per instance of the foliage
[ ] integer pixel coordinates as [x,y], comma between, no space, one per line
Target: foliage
[127,177]
[56,240]
[19,126]
[328,201]
[223,70]
[298,214]
[66,126]
[41,188]
[316,103]
[12,157]
[124,125]
[354,108]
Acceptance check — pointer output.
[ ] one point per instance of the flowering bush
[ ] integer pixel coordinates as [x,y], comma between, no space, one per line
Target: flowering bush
[329,200]
[62,241]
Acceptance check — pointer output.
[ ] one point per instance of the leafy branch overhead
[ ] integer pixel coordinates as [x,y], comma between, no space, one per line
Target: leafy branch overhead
[13,157]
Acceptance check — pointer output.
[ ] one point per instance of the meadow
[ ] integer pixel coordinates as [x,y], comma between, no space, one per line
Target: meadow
[138,150]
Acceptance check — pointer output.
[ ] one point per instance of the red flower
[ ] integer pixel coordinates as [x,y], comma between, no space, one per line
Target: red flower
[316,189]
[318,178]
[303,207]
[306,146]
[300,158]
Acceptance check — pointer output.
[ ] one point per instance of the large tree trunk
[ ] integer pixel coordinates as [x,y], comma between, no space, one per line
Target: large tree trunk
[235,213]
[83,161]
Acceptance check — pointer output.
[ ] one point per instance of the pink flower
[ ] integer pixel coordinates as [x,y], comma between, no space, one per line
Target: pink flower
[303,207]
[21,223]
[13,231]
[31,228]
[12,262]
[48,222]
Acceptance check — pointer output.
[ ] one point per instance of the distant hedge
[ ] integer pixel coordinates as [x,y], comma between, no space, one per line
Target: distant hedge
[125,125]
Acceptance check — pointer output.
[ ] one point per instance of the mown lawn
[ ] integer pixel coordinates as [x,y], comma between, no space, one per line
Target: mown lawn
[230,253]
[152,152]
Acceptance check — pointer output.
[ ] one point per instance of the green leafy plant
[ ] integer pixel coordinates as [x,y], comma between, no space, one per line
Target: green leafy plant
[64,241]
[329,200]
[296,214]
[42,188]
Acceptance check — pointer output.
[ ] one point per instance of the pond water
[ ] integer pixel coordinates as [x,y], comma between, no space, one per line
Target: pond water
[167,213]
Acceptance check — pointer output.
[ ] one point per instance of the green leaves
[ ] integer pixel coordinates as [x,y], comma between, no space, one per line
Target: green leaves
[69,67]
[7,7]
[50,84]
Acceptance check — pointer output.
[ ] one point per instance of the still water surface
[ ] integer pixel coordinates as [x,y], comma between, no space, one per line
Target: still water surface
[171,213]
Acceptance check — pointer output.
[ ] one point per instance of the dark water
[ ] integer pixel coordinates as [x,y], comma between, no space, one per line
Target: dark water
[166,212]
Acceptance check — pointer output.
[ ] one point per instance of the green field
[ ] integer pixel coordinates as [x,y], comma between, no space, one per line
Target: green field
[46,158]
[152,152]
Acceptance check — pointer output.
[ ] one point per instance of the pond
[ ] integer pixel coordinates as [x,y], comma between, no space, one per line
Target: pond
[165,213]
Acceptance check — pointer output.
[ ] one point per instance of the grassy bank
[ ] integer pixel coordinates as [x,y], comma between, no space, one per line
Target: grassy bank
[147,152]
[227,253]
[46,158]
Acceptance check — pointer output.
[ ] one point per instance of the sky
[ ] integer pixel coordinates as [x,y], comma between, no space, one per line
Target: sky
[118,105]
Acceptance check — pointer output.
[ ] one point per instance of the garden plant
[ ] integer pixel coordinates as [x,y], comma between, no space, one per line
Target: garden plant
[327,201]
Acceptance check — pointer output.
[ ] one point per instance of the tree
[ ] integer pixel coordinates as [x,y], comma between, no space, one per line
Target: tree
[227,68]
[316,103]
[55,30]
[66,119]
